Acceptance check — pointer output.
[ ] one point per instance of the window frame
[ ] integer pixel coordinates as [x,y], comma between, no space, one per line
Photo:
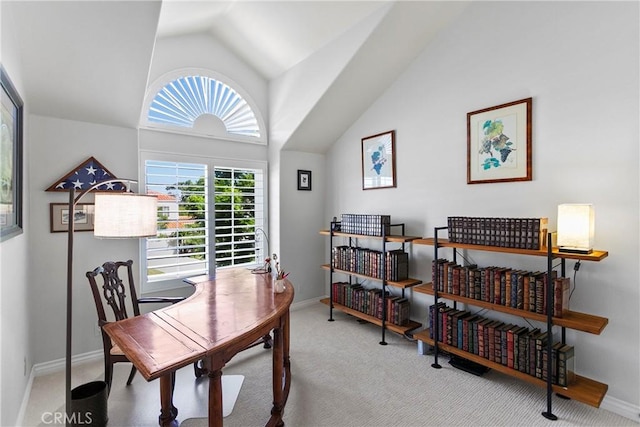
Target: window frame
[167,78]
[212,162]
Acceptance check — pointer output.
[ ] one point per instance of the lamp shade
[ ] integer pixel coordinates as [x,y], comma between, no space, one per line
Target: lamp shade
[125,215]
[575,228]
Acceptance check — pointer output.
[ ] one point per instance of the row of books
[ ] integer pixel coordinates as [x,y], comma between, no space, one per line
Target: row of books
[520,233]
[365,224]
[509,287]
[369,301]
[516,347]
[370,262]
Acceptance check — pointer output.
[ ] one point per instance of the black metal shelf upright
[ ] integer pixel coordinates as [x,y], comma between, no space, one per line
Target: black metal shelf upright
[332,230]
[549,317]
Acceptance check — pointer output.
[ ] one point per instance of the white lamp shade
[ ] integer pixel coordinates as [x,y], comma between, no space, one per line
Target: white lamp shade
[576,227]
[125,215]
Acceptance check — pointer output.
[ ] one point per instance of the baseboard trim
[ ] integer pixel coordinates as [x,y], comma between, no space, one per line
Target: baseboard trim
[52,367]
[304,304]
[25,399]
[58,364]
[622,408]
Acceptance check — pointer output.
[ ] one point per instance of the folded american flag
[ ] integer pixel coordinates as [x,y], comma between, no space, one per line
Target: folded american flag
[85,175]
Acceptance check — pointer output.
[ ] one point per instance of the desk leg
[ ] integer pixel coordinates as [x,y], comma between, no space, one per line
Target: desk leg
[287,362]
[215,397]
[168,412]
[285,359]
[281,371]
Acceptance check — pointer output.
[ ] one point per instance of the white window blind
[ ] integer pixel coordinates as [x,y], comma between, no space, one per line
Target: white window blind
[239,206]
[204,222]
[182,101]
[181,247]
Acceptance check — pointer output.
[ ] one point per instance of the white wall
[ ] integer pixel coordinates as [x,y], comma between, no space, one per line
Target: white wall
[582,72]
[301,217]
[15,352]
[58,146]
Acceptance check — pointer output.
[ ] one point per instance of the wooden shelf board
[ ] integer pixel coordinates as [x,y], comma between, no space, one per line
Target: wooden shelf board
[583,389]
[390,326]
[596,255]
[390,238]
[408,283]
[571,319]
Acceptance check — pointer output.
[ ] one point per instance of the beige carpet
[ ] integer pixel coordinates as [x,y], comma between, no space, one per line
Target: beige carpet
[342,377]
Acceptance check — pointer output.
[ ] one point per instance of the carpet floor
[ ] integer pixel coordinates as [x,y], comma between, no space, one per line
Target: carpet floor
[341,377]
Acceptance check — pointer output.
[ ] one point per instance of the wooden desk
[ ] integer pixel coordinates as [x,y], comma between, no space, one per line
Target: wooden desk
[218,321]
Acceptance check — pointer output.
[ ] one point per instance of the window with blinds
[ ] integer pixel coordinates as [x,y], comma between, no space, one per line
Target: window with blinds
[205,221]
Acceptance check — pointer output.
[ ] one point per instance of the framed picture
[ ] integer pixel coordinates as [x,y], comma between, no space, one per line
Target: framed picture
[379,161]
[11,110]
[304,180]
[499,143]
[82,217]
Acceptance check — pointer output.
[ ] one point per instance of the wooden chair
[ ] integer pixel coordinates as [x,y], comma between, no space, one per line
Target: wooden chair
[113,290]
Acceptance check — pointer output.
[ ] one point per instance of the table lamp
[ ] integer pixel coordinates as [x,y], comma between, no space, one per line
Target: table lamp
[575,228]
[116,215]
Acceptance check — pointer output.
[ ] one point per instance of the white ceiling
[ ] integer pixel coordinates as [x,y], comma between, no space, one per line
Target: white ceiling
[84,60]
[271,36]
[90,60]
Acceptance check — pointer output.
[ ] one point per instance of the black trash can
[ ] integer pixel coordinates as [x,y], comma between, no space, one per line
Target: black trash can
[89,404]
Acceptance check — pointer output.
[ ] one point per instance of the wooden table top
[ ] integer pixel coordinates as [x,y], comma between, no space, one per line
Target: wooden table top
[221,317]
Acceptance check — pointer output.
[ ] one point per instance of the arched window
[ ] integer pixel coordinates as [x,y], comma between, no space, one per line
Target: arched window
[195,102]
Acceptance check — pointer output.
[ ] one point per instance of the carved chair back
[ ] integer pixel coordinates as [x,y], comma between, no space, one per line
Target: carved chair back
[113,290]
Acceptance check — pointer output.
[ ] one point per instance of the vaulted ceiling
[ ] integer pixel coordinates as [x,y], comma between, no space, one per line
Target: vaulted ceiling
[90,60]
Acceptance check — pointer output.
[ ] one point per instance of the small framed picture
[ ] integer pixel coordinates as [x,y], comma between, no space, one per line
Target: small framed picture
[304,180]
[379,161]
[82,217]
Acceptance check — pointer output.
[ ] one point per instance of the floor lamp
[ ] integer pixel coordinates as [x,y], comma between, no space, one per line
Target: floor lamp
[116,215]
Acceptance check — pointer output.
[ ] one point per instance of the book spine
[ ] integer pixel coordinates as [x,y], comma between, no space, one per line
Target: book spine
[473,339]
[510,348]
[503,343]
[455,287]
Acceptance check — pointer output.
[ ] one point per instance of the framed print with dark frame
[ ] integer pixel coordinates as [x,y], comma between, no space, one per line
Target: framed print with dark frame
[82,217]
[10,159]
[379,161]
[304,180]
[499,143]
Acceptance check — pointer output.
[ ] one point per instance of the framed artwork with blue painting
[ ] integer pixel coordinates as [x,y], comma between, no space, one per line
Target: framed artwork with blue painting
[379,161]
[499,143]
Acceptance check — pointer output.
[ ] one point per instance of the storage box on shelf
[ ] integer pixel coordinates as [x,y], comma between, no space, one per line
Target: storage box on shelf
[580,388]
[379,265]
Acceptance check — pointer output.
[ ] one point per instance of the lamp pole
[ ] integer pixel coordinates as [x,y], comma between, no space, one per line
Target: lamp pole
[73,201]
